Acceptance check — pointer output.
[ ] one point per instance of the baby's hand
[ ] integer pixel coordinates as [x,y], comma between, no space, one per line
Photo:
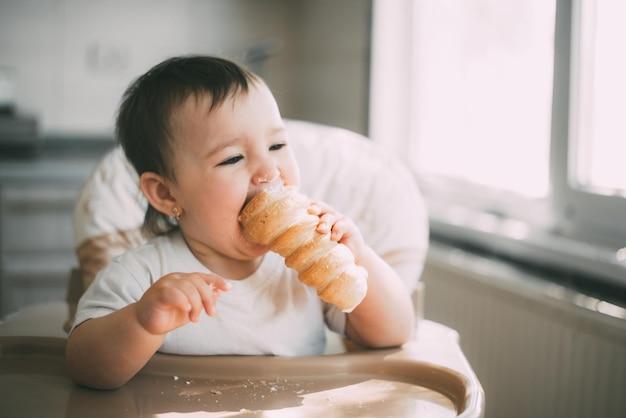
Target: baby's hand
[178,298]
[342,229]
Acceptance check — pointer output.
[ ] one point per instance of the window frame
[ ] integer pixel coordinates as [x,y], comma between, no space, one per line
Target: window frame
[576,212]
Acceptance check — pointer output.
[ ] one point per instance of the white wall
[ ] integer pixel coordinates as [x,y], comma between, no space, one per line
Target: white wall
[73,58]
[390,88]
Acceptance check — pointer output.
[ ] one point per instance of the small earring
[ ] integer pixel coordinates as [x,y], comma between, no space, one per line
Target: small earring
[176,213]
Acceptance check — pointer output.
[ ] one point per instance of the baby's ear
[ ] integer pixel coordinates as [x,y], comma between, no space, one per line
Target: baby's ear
[157,190]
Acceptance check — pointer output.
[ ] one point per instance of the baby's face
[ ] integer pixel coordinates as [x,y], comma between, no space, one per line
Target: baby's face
[221,158]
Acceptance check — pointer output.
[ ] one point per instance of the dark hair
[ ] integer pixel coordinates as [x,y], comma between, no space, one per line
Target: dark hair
[144,115]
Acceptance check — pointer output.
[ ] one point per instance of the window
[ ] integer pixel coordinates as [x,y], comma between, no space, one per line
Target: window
[600,102]
[515,124]
[482,90]
[590,184]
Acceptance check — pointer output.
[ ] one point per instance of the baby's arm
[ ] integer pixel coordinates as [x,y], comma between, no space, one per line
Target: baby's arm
[106,352]
[385,317]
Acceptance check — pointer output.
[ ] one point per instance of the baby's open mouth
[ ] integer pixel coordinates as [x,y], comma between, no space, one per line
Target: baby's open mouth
[248,200]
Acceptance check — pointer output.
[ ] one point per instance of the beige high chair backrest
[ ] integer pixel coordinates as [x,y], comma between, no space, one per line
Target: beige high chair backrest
[337,166]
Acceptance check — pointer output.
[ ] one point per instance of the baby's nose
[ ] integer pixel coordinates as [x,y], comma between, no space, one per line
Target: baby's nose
[266,178]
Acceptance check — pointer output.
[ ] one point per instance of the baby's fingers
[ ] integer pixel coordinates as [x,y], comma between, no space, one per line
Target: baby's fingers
[340,230]
[327,216]
[192,294]
[210,292]
[218,282]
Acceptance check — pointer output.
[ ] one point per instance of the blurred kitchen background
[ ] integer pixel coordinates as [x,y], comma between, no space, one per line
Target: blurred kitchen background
[64,65]
[510,114]
[69,61]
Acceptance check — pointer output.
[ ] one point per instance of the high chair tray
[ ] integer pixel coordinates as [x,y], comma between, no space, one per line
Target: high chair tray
[390,382]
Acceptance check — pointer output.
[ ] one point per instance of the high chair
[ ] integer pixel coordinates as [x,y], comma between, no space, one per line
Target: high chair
[358,178]
[337,166]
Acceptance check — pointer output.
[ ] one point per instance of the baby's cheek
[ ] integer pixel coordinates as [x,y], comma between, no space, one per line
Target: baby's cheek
[290,181]
[290,174]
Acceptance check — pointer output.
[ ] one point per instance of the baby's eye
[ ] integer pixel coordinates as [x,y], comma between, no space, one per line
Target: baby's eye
[276,147]
[232,160]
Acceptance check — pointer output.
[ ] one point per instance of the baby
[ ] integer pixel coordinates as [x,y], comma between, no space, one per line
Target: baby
[205,135]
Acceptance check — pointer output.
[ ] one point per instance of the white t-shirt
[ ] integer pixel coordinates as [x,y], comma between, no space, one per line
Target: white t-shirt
[269,313]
